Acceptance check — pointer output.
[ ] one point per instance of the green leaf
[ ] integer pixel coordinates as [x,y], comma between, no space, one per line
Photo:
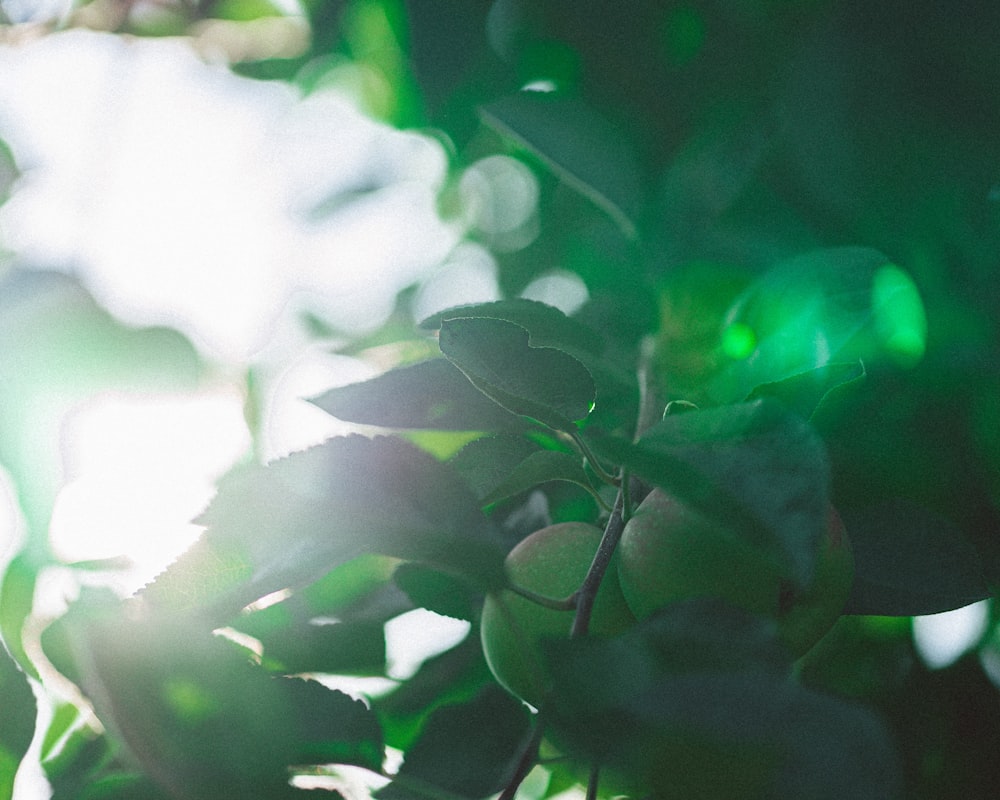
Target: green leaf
[498,467]
[804,393]
[287,524]
[582,148]
[438,592]
[449,678]
[332,728]
[547,325]
[115,786]
[798,317]
[540,467]
[17,595]
[202,721]
[541,383]
[429,395]
[697,702]
[466,750]
[910,561]
[486,462]
[758,469]
[336,648]
[17,720]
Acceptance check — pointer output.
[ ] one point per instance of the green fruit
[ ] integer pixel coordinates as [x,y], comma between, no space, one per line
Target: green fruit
[669,552]
[806,616]
[552,562]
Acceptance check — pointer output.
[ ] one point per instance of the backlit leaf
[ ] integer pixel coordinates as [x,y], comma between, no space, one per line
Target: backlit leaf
[547,325]
[804,393]
[432,395]
[287,524]
[541,383]
[17,720]
[582,148]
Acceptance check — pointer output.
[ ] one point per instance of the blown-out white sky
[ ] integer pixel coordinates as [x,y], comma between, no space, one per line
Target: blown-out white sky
[183,195]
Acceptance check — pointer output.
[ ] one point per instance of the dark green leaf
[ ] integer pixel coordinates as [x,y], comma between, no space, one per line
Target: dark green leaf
[332,728]
[453,676]
[799,316]
[911,561]
[757,468]
[546,325]
[804,393]
[287,524]
[339,648]
[466,750]
[698,702]
[709,173]
[541,383]
[578,145]
[196,714]
[486,462]
[539,467]
[81,757]
[114,786]
[438,592]
[17,720]
[432,395]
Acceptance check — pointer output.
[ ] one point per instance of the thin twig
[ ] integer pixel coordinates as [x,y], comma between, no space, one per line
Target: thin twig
[528,759]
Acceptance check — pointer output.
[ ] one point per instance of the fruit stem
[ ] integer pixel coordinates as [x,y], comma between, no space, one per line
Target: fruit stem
[591,459]
[602,558]
[527,761]
[593,782]
[630,491]
[555,603]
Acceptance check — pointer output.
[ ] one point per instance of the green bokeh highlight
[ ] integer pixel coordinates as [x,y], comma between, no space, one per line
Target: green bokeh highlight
[738,341]
[683,35]
[900,321]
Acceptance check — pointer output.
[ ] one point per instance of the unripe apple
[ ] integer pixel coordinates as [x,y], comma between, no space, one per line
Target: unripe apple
[804,617]
[670,552]
[551,562]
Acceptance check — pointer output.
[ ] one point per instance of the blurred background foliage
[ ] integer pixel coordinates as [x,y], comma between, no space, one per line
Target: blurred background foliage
[669,155]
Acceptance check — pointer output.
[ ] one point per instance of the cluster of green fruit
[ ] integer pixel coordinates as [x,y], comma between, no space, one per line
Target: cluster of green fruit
[667,553]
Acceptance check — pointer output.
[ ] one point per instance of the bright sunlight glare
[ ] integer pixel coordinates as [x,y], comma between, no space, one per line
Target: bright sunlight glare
[183,195]
[139,470]
[415,636]
[941,639]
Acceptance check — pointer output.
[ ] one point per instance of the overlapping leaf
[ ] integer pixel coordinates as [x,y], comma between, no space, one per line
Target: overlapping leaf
[578,145]
[541,383]
[429,395]
[757,468]
[464,750]
[498,467]
[289,523]
[198,716]
[697,702]
[547,325]
[804,393]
